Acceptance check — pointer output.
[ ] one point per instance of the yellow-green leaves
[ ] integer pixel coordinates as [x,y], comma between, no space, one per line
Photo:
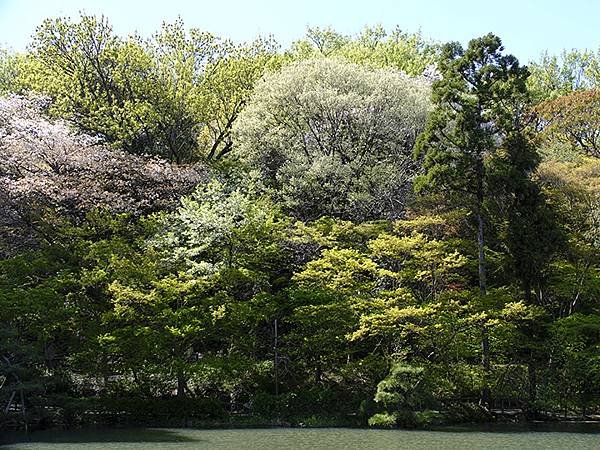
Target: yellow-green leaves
[374,47]
[342,271]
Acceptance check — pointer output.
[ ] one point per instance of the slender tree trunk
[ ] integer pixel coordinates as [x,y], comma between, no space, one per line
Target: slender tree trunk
[532,387]
[485,362]
[181,384]
[10,400]
[481,255]
[485,343]
[24,411]
[275,358]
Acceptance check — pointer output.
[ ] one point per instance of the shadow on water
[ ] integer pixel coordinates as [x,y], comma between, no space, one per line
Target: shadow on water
[97,435]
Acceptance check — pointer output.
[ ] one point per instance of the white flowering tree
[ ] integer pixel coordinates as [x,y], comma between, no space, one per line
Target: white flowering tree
[333,138]
[49,171]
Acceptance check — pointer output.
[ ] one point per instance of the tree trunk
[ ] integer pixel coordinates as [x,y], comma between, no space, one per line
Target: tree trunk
[485,363]
[481,255]
[181,385]
[10,400]
[485,343]
[24,411]
[532,388]
[275,360]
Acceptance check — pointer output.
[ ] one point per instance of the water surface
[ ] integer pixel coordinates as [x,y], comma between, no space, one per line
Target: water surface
[306,439]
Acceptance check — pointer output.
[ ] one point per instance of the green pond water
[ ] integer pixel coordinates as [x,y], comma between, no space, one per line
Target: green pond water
[582,438]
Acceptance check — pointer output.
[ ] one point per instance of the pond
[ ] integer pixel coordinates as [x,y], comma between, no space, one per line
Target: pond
[317,438]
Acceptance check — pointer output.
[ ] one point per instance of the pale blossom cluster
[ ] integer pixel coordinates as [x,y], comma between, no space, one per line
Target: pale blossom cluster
[48,169]
[335,138]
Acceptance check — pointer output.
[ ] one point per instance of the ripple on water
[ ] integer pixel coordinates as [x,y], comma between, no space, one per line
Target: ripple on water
[305,439]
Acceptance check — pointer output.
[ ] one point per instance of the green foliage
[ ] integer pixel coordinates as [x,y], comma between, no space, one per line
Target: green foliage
[119,306]
[176,95]
[573,119]
[572,70]
[383,420]
[374,47]
[573,188]
[458,140]
[576,358]
[9,71]
[478,154]
[404,388]
[333,138]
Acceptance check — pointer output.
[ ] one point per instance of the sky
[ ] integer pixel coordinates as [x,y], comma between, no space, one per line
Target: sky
[527,27]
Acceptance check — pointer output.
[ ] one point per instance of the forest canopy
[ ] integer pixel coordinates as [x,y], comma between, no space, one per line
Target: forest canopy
[376,229]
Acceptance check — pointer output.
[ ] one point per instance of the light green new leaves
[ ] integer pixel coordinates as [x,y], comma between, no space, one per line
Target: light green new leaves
[374,47]
[217,227]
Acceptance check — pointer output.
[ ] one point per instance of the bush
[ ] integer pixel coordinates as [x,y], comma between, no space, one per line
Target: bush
[407,419]
[267,406]
[467,412]
[139,410]
[383,420]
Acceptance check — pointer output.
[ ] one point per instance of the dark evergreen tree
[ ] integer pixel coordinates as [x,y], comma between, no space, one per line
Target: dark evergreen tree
[465,131]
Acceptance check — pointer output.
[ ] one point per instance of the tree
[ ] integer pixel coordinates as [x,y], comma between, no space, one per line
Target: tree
[427,265]
[201,294]
[573,70]
[573,189]
[464,131]
[374,47]
[34,327]
[573,118]
[9,71]
[332,138]
[575,356]
[50,174]
[95,79]
[175,95]
[203,83]
[527,226]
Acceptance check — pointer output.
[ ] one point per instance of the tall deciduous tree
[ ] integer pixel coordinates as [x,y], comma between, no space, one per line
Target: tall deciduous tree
[573,118]
[572,70]
[373,47]
[333,138]
[176,94]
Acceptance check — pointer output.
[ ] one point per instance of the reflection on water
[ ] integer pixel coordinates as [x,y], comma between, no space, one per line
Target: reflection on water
[546,436]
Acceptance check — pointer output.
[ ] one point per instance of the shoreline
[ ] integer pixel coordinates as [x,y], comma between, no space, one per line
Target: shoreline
[311,422]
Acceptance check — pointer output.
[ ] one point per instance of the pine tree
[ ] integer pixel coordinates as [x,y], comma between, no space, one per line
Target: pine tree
[465,131]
